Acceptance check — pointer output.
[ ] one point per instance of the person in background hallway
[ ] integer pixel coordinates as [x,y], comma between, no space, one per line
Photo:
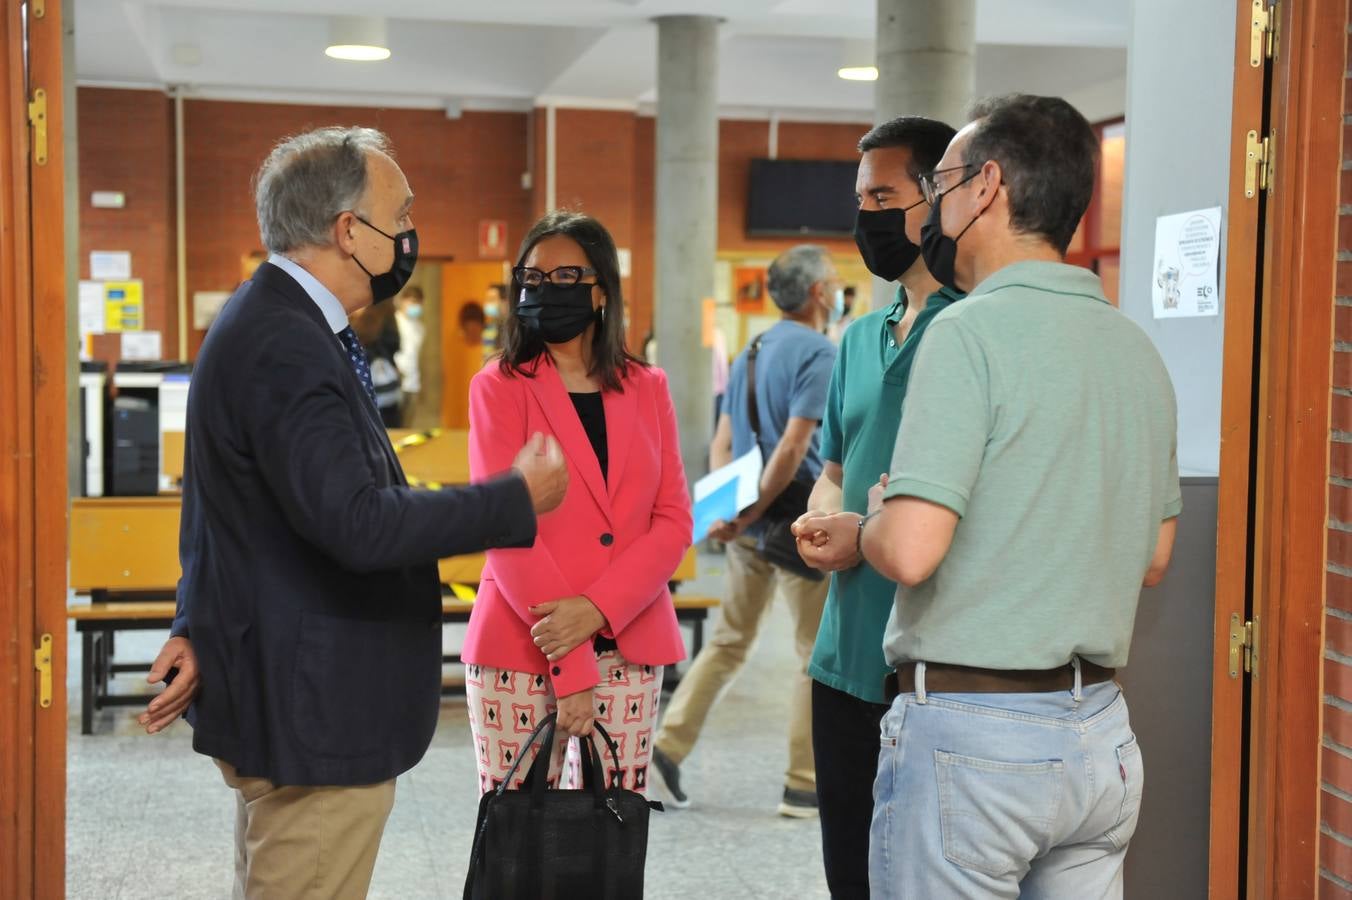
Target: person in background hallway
[582,622]
[495,308]
[1033,490]
[720,371]
[408,317]
[472,323]
[309,611]
[863,413]
[379,337]
[792,371]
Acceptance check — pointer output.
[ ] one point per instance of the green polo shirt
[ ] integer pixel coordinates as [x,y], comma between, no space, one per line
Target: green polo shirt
[1046,420]
[859,429]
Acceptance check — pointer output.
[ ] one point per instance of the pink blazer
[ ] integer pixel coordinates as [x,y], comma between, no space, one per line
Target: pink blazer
[616,543]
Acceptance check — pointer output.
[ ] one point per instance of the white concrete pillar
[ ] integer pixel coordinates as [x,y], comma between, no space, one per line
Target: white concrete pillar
[926,57]
[687,219]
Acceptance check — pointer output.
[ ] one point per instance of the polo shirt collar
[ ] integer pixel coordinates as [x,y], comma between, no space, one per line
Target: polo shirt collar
[328,304]
[1057,277]
[898,307]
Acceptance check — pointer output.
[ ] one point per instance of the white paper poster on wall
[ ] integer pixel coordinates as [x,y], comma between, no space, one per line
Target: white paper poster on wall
[110,265]
[1187,264]
[206,306]
[143,346]
[91,307]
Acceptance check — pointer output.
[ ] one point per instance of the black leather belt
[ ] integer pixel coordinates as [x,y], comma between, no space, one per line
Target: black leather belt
[943,678]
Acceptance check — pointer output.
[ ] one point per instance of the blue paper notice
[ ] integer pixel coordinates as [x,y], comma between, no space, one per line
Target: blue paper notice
[720,504]
[725,492]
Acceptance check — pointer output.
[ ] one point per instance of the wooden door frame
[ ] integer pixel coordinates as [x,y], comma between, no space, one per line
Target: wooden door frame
[33,480]
[51,481]
[1291,489]
[1232,513]
[1290,446]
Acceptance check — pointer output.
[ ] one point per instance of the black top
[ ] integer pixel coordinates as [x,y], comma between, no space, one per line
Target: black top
[309,590]
[592,411]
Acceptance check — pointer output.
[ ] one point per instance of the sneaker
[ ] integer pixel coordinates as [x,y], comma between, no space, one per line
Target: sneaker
[798,804]
[669,773]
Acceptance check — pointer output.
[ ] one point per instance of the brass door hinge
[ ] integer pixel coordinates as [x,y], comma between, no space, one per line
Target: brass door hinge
[37,8]
[1259,163]
[37,117]
[1243,646]
[1262,33]
[42,661]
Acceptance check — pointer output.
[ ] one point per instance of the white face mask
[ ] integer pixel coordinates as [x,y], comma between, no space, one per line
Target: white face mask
[838,308]
[413,311]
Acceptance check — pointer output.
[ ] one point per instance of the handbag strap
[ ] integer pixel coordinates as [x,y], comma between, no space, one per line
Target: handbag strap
[594,773]
[546,726]
[752,411]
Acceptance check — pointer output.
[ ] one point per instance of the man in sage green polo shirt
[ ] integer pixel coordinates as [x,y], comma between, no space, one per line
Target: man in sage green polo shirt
[863,412]
[1033,490]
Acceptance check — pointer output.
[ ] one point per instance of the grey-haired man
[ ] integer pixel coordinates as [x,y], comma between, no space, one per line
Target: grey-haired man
[792,372]
[309,611]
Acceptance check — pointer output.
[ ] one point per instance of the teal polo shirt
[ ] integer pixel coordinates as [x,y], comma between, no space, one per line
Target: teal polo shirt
[859,431]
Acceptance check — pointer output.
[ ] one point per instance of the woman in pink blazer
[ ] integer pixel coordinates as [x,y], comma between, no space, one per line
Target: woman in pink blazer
[582,622]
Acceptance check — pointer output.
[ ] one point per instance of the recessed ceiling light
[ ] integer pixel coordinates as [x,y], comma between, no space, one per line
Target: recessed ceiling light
[858,73]
[357,38]
[357,52]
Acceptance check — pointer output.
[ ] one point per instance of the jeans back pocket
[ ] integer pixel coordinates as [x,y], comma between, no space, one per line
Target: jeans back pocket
[1131,769]
[995,816]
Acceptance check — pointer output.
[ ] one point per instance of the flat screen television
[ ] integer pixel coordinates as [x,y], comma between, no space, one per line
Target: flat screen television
[801,198]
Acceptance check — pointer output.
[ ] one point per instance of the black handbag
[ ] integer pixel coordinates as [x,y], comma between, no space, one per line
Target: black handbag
[537,843]
[776,543]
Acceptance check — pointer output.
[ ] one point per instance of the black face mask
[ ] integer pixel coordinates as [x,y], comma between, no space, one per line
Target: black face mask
[880,235]
[557,313]
[390,283]
[940,250]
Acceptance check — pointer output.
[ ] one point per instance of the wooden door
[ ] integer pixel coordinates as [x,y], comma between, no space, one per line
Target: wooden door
[32,455]
[1290,508]
[1274,451]
[461,284]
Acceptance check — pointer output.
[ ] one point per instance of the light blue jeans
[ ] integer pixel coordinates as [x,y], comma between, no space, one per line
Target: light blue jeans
[1031,796]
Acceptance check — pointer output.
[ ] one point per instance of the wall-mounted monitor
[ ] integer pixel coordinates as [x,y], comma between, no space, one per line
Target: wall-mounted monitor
[801,198]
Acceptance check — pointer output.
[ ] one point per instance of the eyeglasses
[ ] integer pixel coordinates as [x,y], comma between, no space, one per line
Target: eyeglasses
[563,276]
[929,181]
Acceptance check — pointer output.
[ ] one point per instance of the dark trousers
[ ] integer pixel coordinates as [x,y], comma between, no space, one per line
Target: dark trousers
[845,733]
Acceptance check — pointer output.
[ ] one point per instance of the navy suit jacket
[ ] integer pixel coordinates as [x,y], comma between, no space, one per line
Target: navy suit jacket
[310,590]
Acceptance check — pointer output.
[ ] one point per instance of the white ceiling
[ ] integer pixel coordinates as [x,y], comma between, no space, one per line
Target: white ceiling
[776,56]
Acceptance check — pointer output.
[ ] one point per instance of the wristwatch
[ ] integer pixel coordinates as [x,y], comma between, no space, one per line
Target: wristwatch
[859,537]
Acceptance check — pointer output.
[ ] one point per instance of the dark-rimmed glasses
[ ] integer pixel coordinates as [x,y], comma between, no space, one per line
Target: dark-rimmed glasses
[929,181]
[563,276]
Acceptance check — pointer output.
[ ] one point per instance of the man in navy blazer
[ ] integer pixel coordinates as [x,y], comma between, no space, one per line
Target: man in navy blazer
[309,611]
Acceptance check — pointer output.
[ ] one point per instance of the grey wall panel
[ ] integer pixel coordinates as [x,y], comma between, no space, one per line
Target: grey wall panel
[1168,686]
[1180,75]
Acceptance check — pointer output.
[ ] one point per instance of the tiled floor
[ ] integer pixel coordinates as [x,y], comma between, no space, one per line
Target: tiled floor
[147,818]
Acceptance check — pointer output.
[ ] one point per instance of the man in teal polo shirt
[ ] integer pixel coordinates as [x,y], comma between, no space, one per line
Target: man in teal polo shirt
[863,413]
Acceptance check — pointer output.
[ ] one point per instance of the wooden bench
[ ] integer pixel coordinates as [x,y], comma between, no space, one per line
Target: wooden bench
[99,622]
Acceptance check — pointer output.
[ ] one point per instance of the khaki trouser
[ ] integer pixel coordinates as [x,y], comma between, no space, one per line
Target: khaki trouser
[306,842]
[752,583]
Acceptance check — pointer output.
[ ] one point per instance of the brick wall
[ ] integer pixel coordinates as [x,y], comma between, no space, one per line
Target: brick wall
[127,144]
[1335,848]
[462,170]
[605,166]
